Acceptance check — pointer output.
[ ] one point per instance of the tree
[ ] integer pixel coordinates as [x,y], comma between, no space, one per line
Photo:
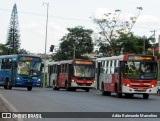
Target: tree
[4,50]
[128,43]
[112,25]
[76,43]
[13,37]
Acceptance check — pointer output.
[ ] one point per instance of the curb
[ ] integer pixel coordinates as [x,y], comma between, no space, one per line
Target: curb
[9,106]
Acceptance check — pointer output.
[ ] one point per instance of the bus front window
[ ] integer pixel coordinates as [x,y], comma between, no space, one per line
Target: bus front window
[140,70]
[23,68]
[35,68]
[29,68]
[83,71]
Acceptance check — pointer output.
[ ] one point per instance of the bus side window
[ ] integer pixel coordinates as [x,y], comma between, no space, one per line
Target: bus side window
[112,66]
[101,71]
[109,67]
[6,64]
[0,63]
[116,66]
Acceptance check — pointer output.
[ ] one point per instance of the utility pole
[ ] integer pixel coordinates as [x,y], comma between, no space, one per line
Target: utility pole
[144,39]
[74,52]
[44,77]
[154,40]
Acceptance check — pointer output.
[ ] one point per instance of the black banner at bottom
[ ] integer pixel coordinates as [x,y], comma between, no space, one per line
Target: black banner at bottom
[79,115]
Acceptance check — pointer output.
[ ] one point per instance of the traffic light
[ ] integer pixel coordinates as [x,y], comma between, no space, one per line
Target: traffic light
[51,48]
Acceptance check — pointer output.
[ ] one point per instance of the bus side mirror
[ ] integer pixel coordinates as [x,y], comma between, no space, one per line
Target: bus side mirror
[122,65]
[16,65]
[42,65]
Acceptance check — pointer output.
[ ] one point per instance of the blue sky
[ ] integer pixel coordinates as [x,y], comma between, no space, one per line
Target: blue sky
[70,13]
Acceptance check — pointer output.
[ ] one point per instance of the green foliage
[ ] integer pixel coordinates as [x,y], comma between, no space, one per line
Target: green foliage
[4,50]
[13,37]
[78,40]
[133,44]
[114,26]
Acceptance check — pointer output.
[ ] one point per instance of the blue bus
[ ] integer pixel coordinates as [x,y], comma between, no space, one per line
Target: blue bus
[20,70]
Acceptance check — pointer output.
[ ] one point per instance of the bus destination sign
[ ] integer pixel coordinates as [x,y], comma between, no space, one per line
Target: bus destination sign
[84,62]
[147,58]
[28,58]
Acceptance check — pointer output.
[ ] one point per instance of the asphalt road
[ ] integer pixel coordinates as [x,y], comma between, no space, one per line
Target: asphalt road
[47,100]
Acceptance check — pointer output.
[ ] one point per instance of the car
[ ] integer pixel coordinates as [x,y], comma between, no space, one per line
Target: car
[158,88]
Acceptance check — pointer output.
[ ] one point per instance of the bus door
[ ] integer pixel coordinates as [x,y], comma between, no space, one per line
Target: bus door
[70,73]
[13,72]
[121,71]
[58,74]
[98,73]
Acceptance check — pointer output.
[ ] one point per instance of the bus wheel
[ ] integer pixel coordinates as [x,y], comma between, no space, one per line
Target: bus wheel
[66,86]
[119,95]
[145,96]
[54,86]
[87,90]
[5,86]
[128,95]
[108,93]
[9,86]
[102,90]
[29,88]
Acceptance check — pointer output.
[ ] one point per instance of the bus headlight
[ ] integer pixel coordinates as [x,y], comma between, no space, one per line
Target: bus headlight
[152,85]
[127,85]
[38,80]
[18,79]
[34,74]
[73,80]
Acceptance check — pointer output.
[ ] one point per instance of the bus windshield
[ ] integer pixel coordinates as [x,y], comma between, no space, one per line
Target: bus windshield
[140,70]
[83,71]
[29,68]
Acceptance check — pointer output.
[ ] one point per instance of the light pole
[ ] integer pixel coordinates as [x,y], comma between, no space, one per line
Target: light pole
[144,43]
[44,76]
[154,39]
[74,52]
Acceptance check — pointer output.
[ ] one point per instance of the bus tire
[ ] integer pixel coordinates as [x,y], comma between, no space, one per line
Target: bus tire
[5,86]
[102,90]
[8,85]
[128,95]
[108,93]
[54,86]
[145,96]
[87,90]
[119,95]
[66,86]
[29,88]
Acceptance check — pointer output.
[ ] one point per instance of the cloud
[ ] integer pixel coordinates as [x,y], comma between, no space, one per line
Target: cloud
[148,20]
[33,35]
[145,22]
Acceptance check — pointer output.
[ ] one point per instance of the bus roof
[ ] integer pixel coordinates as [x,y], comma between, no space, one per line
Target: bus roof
[15,56]
[65,61]
[120,57]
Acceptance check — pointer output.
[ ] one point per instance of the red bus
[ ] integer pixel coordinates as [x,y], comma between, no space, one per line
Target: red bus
[72,74]
[127,74]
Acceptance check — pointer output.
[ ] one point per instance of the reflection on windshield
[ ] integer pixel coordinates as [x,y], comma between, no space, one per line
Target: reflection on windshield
[142,70]
[28,68]
[83,71]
